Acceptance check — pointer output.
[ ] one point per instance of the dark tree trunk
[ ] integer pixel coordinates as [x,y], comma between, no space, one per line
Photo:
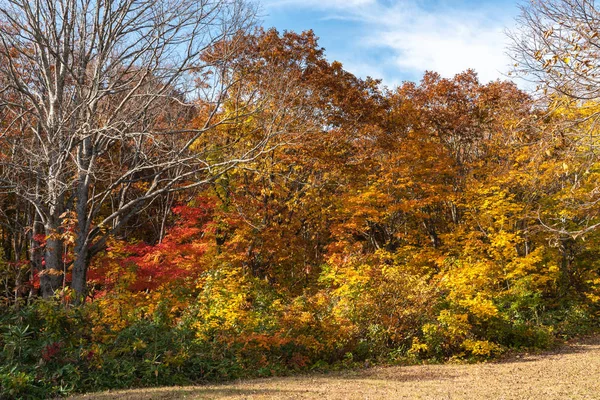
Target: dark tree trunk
[567,254]
[82,253]
[36,253]
[431,231]
[51,278]
[80,267]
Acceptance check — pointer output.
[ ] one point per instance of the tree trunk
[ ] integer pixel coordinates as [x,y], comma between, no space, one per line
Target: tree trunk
[36,249]
[80,267]
[52,277]
[567,253]
[82,255]
[433,236]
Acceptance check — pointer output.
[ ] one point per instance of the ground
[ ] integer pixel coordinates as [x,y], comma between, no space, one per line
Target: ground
[571,372]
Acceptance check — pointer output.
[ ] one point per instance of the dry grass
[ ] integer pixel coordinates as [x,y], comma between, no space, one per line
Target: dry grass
[573,372]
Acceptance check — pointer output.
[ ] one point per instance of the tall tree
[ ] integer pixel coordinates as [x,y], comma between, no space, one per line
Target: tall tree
[112,96]
[557,46]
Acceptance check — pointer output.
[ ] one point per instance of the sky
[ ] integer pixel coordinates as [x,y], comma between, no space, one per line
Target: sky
[397,40]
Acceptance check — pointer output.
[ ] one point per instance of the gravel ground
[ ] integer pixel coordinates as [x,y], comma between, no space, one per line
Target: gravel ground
[572,372]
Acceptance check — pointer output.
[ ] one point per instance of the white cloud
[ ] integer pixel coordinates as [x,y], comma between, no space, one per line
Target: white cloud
[447,38]
[322,4]
[447,44]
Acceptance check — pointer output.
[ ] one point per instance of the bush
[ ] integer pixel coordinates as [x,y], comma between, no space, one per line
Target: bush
[50,349]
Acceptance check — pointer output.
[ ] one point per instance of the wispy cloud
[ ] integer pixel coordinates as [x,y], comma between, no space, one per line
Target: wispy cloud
[406,37]
[325,4]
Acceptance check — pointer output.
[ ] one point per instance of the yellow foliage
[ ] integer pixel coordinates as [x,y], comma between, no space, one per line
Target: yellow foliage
[481,348]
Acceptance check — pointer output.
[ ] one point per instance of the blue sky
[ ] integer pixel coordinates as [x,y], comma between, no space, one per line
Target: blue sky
[397,40]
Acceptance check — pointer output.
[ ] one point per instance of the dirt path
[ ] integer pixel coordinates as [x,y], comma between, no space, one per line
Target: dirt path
[573,372]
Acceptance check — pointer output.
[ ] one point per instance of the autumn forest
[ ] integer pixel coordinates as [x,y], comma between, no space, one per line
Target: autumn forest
[188,197]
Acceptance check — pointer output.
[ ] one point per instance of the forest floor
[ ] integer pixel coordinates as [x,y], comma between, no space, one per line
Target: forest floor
[570,372]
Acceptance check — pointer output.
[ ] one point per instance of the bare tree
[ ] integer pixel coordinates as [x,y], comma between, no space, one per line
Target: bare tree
[110,98]
[557,46]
